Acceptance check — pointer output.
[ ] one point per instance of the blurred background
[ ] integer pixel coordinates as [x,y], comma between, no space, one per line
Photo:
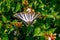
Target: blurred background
[46,25]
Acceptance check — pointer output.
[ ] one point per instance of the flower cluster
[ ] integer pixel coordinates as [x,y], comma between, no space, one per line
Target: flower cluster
[50,36]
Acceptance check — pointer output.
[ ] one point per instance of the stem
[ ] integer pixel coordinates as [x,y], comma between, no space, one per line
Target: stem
[30,29]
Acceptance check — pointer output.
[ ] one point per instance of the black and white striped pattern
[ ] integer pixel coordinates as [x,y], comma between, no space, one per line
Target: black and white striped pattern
[27,17]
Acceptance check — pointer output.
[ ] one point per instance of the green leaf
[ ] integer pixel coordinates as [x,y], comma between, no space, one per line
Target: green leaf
[31,4]
[18,7]
[0,25]
[2,9]
[50,16]
[45,26]
[35,4]
[11,29]
[41,33]
[4,18]
[30,29]
[7,7]
[13,8]
[57,22]
[51,30]
[5,37]
[37,31]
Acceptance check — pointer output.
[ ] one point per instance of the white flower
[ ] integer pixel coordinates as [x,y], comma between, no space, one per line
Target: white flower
[29,9]
[49,38]
[59,35]
[27,17]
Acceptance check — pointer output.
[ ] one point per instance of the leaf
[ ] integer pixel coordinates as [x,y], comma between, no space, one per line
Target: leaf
[39,34]
[11,29]
[50,16]
[45,26]
[51,30]
[4,18]
[18,7]
[1,8]
[41,6]
[0,25]
[30,29]
[13,8]
[5,37]
[31,4]
[37,31]
[7,8]
[35,4]
[8,1]
[57,22]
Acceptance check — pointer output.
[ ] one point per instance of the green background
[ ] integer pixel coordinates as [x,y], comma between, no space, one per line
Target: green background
[49,23]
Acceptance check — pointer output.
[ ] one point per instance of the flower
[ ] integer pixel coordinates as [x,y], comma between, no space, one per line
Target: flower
[30,10]
[25,2]
[17,24]
[50,36]
[28,18]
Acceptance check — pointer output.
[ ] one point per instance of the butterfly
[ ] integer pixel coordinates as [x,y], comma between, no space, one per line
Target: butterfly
[28,18]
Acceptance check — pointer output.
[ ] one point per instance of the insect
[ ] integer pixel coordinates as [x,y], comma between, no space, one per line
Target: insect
[28,18]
